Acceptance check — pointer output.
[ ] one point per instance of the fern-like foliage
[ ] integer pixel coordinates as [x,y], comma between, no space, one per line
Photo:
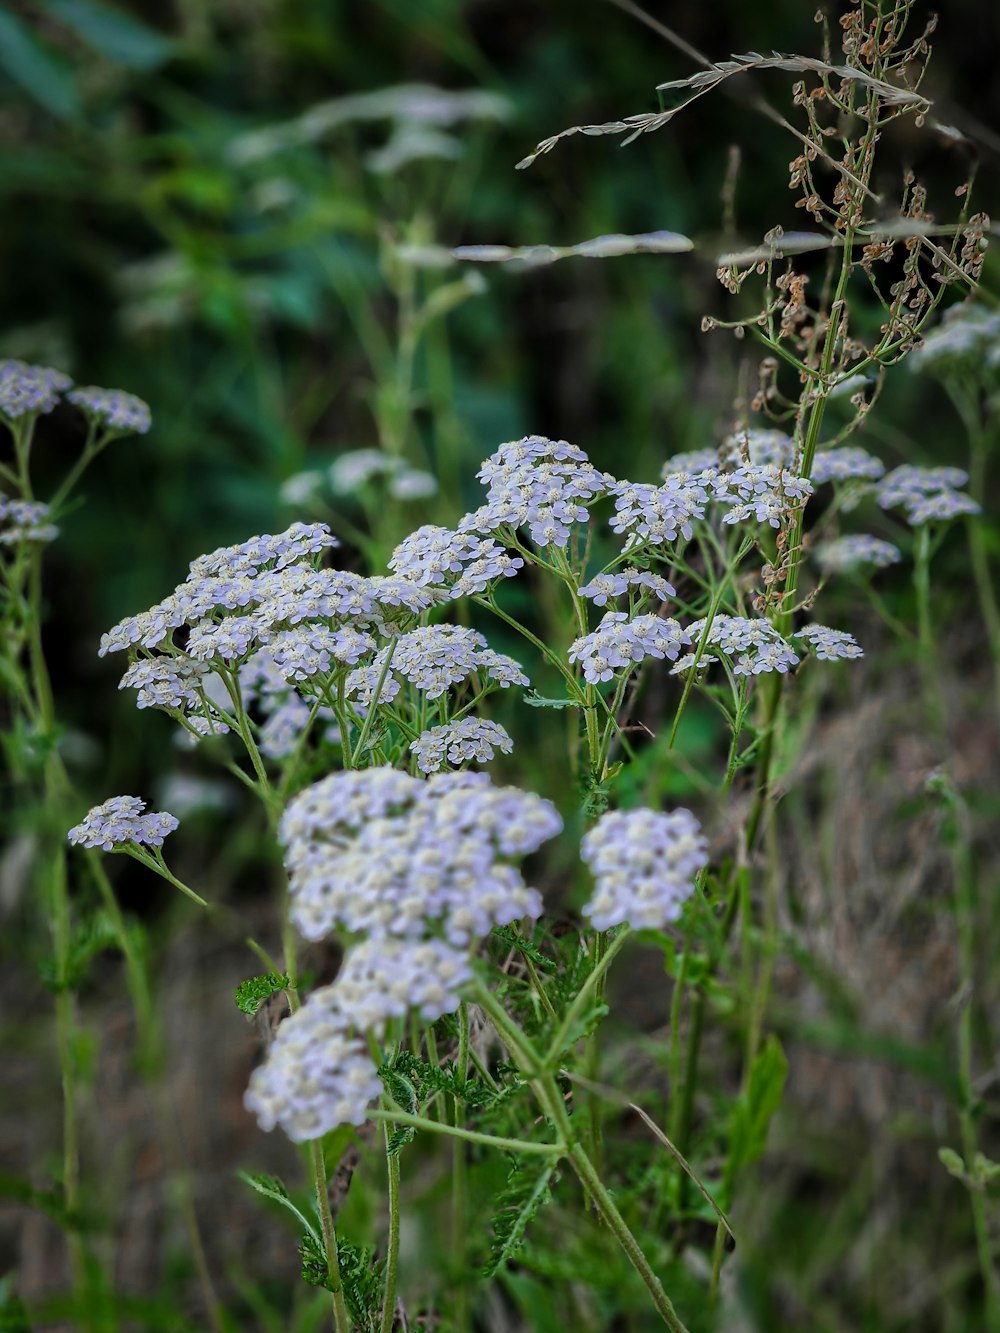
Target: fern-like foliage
[253,992]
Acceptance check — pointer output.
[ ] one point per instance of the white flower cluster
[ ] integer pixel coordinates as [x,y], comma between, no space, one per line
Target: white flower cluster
[760,447]
[460,562]
[856,550]
[619,642]
[926,494]
[603,588]
[846,464]
[829,644]
[435,657]
[120,821]
[644,865]
[469,740]
[379,852]
[113,408]
[397,860]
[537,483]
[29,390]
[766,493]
[25,521]
[658,514]
[753,646]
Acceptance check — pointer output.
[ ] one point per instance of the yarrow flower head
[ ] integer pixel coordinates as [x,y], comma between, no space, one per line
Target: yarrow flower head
[603,588]
[644,865]
[829,644]
[113,408]
[766,493]
[469,740]
[25,521]
[659,514]
[317,1075]
[383,979]
[856,550]
[619,642]
[967,334]
[119,822]
[753,646]
[29,390]
[537,483]
[435,657]
[760,447]
[846,464]
[461,562]
[926,494]
[380,853]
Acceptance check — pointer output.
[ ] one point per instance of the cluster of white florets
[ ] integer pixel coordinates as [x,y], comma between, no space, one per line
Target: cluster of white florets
[32,391]
[462,563]
[25,521]
[619,643]
[753,647]
[119,823]
[465,741]
[422,870]
[856,551]
[644,865]
[926,494]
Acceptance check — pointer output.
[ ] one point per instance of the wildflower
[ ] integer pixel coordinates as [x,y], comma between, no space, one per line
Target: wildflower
[695,461]
[603,587]
[845,464]
[279,550]
[302,488]
[766,494]
[847,553]
[357,467]
[411,483]
[754,646]
[120,411]
[926,494]
[317,1075]
[620,642]
[378,852]
[438,557]
[829,644]
[165,682]
[29,390]
[658,514]
[760,448]
[25,521]
[362,683]
[312,650]
[435,657]
[119,822]
[539,484]
[470,739]
[644,865]
[968,333]
[385,978]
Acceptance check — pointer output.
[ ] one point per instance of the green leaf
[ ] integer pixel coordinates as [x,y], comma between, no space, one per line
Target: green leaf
[518,1205]
[535,700]
[952,1163]
[253,992]
[118,36]
[27,63]
[272,1188]
[757,1105]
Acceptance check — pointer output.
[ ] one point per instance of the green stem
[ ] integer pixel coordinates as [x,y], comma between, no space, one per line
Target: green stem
[583,998]
[458,1183]
[341,1319]
[396,1117]
[392,1243]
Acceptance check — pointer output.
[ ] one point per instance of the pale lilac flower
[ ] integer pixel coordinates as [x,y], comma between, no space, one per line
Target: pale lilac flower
[858,549]
[693,462]
[926,494]
[317,1075]
[846,464]
[469,740]
[760,447]
[119,822]
[313,650]
[619,642]
[829,644]
[658,514]
[537,483]
[362,683]
[460,562]
[753,646]
[165,682]
[26,390]
[435,657]
[279,549]
[604,587]
[229,639]
[356,468]
[382,979]
[380,853]
[25,521]
[968,333]
[644,865]
[122,412]
[411,483]
[765,493]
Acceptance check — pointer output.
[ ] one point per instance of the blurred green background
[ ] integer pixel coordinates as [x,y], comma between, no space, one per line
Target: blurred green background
[204,203]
